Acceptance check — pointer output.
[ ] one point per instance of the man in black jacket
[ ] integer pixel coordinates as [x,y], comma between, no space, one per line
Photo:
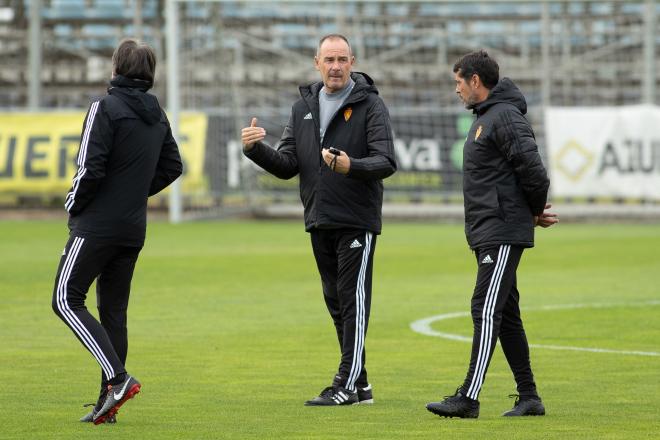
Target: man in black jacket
[127,153]
[505,187]
[339,141]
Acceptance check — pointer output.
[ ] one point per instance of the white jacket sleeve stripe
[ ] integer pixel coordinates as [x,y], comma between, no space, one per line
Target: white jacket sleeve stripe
[82,155]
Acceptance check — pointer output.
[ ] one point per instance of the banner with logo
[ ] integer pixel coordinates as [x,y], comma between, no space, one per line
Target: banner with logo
[38,151]
[604,151]
[428,148]
[38,155]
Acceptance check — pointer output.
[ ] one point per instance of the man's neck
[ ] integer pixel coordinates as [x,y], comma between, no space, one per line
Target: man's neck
[483,95]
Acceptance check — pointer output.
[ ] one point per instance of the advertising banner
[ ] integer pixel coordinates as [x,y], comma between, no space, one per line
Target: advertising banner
[38,151]
[428,148]
[38,154]
[604,151]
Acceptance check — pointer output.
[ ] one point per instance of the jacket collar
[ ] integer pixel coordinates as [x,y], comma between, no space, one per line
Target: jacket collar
[133,93]
[132,83]
[504,91]
[363,86]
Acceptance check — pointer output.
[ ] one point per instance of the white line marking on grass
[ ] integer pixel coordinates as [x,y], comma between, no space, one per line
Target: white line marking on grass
[423,326]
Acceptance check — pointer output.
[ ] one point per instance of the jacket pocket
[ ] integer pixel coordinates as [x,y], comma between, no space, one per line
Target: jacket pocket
[482,205]
[513,206]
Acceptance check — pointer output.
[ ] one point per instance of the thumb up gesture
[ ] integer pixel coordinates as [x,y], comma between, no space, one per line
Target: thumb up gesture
[252,134]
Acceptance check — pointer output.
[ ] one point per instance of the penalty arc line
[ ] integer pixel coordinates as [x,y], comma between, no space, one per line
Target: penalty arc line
[423,326]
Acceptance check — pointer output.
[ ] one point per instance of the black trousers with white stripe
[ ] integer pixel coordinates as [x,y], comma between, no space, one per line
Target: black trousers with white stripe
[83,260]
[345,261]
[496,314]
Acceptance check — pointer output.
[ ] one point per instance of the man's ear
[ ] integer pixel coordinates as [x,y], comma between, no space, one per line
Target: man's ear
[475,81]
[316,62]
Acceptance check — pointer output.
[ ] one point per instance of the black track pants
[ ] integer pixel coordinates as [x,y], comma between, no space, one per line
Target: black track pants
[496,314]
[84,260]
[345,261]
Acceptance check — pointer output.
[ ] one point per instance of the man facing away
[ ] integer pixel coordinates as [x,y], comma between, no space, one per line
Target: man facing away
[339,141]
[127,153]
[505,187]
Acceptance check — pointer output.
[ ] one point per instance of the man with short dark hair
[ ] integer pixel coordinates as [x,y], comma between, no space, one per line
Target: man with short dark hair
[339,140]
[127,153]
[505,187]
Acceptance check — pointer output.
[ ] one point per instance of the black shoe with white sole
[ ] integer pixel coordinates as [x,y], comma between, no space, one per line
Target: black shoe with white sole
[365,395]
[333,397]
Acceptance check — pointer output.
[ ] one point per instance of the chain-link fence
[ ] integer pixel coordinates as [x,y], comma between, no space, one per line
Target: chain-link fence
[239,59]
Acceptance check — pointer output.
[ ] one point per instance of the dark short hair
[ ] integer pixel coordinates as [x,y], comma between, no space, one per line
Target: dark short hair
[480,63]
[134,59]
[334,37]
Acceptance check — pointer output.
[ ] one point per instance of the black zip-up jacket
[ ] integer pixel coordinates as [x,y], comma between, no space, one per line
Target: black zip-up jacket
[127,153]
[504,181]
[361,128]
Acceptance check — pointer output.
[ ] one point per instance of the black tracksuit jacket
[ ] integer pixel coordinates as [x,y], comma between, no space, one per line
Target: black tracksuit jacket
[504,181]
[127,153]
[361,128]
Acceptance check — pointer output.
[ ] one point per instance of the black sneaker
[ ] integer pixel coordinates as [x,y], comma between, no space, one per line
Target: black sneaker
[365,395]
[334,396]
[457,405]
[89,417]
[526,406]
[116,396]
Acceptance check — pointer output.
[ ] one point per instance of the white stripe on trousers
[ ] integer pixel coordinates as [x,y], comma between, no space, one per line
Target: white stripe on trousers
[82,156]
[70,317]
[360,296]
[485,343]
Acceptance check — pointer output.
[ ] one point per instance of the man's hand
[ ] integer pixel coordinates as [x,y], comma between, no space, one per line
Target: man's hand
[546,219]
[252,134]
[340,164]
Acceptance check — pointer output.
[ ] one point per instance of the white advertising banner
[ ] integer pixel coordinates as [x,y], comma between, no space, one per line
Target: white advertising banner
[604,151]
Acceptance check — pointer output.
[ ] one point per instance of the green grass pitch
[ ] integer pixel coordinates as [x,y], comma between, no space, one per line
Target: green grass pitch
[229,335]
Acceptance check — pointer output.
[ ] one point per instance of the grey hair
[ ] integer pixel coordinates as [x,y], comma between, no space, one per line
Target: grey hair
[334,37]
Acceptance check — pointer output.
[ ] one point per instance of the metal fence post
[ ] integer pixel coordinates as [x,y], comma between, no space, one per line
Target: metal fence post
[172,39]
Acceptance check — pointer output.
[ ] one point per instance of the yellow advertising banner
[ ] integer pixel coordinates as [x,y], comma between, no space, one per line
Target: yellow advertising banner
[38,151]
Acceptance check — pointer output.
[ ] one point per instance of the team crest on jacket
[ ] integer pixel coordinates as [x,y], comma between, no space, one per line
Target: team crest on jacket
[476,136]
[347,114]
